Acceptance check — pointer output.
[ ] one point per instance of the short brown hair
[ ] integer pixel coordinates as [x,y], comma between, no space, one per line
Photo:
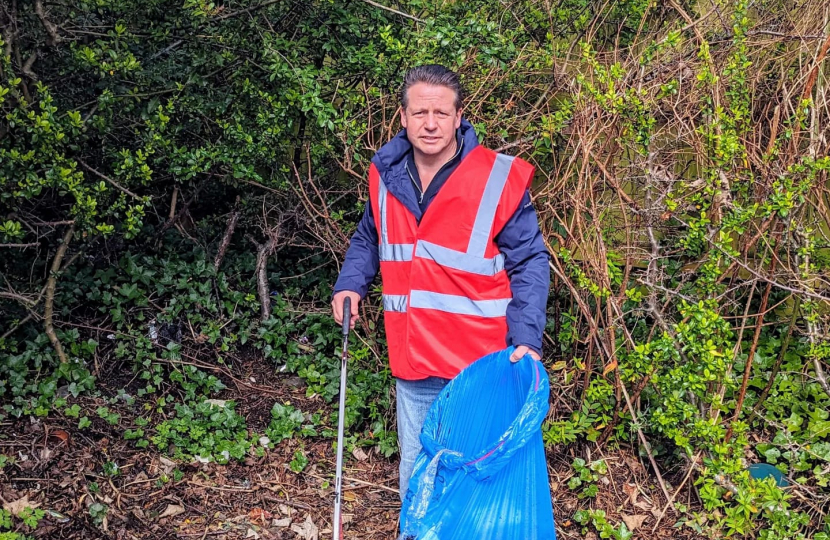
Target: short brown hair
[434,74]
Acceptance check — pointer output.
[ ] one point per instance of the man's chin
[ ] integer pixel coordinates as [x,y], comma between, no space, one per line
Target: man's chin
[430,149]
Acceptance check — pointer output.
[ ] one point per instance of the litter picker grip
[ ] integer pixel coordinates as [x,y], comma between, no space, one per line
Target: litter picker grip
[341,418]
[347,315]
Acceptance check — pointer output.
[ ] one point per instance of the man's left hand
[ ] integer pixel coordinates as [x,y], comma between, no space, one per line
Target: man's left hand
[521,351]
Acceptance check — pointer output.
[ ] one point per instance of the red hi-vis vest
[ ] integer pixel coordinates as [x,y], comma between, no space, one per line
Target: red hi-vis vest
[445,289]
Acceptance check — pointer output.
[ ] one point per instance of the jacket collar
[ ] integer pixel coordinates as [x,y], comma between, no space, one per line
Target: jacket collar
[390,161]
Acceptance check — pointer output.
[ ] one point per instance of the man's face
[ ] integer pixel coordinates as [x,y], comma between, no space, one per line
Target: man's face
[430,118]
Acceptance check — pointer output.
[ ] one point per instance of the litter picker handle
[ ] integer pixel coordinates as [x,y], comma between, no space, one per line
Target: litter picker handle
[337,523]
[347,315]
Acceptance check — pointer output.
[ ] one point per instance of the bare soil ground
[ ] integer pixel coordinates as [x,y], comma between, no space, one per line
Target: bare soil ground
[57,466]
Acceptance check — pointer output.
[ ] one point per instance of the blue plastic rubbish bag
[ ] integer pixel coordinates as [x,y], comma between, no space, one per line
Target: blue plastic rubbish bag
[482,473]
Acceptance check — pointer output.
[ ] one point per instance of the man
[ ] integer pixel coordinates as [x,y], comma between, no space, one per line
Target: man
[451,227]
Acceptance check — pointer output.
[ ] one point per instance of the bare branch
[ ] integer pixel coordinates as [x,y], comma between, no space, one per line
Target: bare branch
[395,11]
[26,301]
[226,238]
[51,29]
[108,179]
[50,294]
[20,246]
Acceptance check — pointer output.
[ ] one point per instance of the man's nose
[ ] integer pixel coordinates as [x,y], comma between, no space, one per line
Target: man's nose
[431,122]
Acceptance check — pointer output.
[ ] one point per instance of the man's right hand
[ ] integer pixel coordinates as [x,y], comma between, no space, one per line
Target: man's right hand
[337,306]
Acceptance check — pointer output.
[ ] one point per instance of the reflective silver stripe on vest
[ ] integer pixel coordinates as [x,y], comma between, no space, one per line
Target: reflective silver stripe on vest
[460,305]
[489,202]
[396,252]
[460,260]
[382,193]
[394,302]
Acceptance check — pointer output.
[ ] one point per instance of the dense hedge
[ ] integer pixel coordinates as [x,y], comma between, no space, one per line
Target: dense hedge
[179,181]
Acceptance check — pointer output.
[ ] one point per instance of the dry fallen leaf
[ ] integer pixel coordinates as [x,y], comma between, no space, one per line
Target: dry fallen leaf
[359,454]
[167,465]
[632,492]
[252,534]
[307,531]
[60,435]
[633,522]
[284,522]
[258,514]
[217,402]
[172,510]
[633,464]
[15,507]
[642,505]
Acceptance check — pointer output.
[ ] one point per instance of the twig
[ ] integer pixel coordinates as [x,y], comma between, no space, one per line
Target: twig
[23,321]
[221,488]
[173,200]
[246,10]
[18,297]
[50,294]
[794,37]
[52,223]
[671,500]
[601,346]
[370,484]
[519,142]
[811,81]
[755,274]
[266,188]
[715,411]
[750,355]
[783,351]
[395,11]
[263,251]
[226,238]
[108,179]
[645,442]
[820,376]
[173,219]
[167,49]
[20,246]
[196,363]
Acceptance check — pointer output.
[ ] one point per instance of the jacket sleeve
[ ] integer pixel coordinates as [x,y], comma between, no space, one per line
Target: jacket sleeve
[526,262]
[362,262]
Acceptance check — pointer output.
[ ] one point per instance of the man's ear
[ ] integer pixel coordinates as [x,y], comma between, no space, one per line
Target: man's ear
[403,116]
[458,118]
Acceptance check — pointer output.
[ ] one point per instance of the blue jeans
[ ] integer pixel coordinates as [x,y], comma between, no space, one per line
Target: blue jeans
[414,400]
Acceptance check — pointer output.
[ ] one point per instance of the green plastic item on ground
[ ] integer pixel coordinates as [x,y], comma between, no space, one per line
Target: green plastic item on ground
[759,471]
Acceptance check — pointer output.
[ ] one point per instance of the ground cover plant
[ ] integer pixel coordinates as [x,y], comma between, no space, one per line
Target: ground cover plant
[178,181]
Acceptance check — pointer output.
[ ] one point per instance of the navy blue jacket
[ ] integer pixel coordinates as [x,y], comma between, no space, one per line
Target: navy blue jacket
[525,256]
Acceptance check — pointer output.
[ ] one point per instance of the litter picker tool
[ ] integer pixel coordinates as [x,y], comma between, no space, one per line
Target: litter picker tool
[341,420]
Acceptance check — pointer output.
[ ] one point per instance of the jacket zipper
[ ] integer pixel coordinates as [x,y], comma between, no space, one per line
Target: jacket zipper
[414,183]
[412,178]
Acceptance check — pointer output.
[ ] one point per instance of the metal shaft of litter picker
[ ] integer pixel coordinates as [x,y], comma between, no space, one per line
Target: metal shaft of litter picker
[341,419]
